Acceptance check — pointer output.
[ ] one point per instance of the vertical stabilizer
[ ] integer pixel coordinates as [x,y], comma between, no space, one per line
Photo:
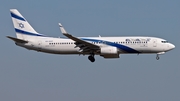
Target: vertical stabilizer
[22,28]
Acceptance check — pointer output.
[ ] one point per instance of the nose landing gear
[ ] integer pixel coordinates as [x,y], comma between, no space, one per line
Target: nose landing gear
[157,57]
[160,53]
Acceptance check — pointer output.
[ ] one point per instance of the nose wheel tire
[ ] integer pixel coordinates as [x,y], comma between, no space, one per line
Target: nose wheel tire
[91,58]
[157,57]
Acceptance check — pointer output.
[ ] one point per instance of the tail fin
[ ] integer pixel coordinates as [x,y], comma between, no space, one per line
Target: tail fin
[23,29]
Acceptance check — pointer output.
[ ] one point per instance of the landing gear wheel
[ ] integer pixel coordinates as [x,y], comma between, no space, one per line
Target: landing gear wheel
[91,58]
[157,57]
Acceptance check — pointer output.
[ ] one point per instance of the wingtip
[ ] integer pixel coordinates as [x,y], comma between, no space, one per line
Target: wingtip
[60,25]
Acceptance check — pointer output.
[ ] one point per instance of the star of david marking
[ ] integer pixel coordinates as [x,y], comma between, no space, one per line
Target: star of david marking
[21,25]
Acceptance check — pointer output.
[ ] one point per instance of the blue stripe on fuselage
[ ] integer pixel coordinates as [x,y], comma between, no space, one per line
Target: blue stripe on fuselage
[122,47]
[17,17]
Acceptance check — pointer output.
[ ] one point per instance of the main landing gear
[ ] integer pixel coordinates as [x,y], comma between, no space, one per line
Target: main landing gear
[91,58]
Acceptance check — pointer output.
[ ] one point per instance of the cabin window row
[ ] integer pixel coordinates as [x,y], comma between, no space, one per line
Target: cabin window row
[61,43]
[120,42]
[95,43]
[132,42]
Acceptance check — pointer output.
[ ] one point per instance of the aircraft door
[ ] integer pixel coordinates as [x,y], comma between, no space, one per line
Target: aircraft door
[39,45]
[154,43]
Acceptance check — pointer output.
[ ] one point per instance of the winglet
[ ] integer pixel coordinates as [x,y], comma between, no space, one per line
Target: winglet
[62,29]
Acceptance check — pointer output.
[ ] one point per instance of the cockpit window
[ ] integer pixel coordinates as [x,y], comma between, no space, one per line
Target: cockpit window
[164,41]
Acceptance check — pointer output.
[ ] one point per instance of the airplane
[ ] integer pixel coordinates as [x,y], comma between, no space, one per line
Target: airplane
[107,47]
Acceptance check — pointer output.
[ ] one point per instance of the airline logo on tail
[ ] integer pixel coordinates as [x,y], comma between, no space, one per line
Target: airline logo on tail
[21,25]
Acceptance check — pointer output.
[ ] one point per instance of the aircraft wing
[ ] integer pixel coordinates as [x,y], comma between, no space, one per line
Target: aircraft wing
[83,45]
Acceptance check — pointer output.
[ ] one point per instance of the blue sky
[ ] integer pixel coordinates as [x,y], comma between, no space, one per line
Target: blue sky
[32,76]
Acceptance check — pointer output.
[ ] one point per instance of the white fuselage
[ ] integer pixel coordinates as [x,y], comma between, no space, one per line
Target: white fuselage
[125,45]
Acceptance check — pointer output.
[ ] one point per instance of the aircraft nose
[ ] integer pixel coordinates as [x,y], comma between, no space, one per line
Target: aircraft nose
[172,46]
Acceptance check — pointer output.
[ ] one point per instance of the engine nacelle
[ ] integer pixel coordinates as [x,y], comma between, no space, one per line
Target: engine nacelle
[109,52]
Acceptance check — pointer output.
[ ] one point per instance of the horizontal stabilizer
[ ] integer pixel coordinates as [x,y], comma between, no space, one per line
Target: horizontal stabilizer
[17,40]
